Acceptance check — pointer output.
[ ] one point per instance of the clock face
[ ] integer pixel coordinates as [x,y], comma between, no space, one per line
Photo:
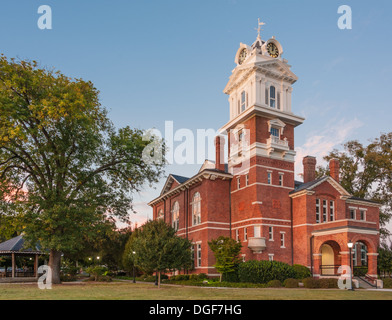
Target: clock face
[273,50]
[242,56]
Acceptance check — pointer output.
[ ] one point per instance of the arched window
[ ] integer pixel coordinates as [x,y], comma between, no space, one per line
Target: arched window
[176,216]
[272,96]
[243,101]
[196,209]
[160,214]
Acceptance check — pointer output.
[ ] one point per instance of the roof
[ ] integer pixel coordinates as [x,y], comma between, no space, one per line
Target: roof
[180,179]
[299,186]
[16,245]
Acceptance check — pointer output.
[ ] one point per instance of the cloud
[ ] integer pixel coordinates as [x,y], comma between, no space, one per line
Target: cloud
[332,136]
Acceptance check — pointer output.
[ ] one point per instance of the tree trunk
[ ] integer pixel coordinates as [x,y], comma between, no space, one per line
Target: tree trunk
[159,280]
[220,277]
[54,264]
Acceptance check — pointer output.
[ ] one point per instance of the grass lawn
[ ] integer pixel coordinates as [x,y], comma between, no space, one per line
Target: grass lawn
[142,291]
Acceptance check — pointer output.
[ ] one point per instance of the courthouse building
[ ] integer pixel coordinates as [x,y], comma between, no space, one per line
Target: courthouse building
[254,198]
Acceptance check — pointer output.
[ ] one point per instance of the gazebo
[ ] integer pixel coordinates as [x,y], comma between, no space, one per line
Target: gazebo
[14,248]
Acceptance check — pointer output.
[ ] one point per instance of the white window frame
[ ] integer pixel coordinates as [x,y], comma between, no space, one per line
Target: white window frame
[269,177]
[318,216]
[176,215]
[354,210]
[282,240]
[199,255]
[270,257]
[247,180]
[325,211]
[364,211]
[238,183]
[196,209]
[245,234]
[331,210]
[243,101]
[271,233]
[281,176]
[272,100]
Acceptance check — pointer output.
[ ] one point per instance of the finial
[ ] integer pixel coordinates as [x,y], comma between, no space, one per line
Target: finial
[260,24]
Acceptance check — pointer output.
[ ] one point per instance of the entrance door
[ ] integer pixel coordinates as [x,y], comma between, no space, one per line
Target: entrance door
[327,260]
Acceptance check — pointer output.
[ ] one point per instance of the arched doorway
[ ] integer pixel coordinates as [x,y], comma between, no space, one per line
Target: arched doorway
[330,258]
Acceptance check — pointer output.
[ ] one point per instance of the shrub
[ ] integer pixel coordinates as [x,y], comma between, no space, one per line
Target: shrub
[311,283]
[97,271]
[387,283]
[291,283]
[230,277]
[203,276]
[264,271]
[301,272]
[274,284]
[328,283]
[181,277]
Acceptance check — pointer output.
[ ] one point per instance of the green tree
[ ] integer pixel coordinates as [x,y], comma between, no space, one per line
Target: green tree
[366,172]
[63,166]
[384,259]
[158,248]
[227,254]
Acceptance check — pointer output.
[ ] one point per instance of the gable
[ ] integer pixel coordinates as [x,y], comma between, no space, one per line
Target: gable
[172,182]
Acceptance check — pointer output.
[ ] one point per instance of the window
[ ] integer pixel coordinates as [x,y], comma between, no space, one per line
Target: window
[269,177]
[355,255]
[271,257]
[352,214]
[272,97]
[324,211]
[196,209]
[160,215]
[176,216]
[238,183]
[271,233]
[199,255]
[256,232]
[281,179]
[362,214]
[275,132]
[331,211]
[237,235]
[282,244]
[243,101]
[193,256]
[245,234]
[317,210]
[247,180]
[363,255]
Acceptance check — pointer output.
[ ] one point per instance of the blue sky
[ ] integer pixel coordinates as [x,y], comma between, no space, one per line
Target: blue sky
[170,60]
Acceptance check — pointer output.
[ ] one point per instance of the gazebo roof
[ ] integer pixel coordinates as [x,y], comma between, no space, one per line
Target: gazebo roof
[16,245]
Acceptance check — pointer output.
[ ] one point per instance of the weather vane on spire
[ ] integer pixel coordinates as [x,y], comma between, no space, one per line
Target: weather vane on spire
[260,24]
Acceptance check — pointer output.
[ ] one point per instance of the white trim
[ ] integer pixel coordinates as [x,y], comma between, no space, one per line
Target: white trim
[262,184]
[181,234]
[332,222]
[251,219]
[207,222]
[346,229]
[257,202]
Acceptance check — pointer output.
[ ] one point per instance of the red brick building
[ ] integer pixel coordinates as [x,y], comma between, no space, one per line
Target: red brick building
[255,198]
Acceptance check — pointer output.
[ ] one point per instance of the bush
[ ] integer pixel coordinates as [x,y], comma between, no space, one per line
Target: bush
[274,284]
[181,277]
[387,283]
[264,271]
[301,272]
[311,283]
[328,283]
[291,283]
[97,271]
[230,277]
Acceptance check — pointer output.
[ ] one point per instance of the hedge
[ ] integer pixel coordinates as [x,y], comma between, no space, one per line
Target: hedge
[301,272]
[264,271]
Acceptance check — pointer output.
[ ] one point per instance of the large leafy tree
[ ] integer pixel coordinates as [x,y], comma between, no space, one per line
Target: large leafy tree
[227,254]
[64,168]
[158,248]
[366,172]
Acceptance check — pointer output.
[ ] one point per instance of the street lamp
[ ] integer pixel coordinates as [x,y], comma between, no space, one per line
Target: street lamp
[134,279]
[350,246]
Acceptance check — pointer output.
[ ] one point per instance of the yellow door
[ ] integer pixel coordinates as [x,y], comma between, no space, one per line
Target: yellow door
[327,260]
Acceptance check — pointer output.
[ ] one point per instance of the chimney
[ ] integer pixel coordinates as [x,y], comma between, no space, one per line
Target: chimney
[334,169]
[219,153]
[309,168]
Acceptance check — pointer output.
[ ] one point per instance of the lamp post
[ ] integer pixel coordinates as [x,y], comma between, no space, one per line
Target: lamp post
[134,277]
[350,246]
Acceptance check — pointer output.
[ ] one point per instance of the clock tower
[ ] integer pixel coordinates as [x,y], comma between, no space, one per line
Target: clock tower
[261,148]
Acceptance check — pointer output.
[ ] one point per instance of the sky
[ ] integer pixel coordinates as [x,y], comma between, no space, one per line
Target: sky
[157,61]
